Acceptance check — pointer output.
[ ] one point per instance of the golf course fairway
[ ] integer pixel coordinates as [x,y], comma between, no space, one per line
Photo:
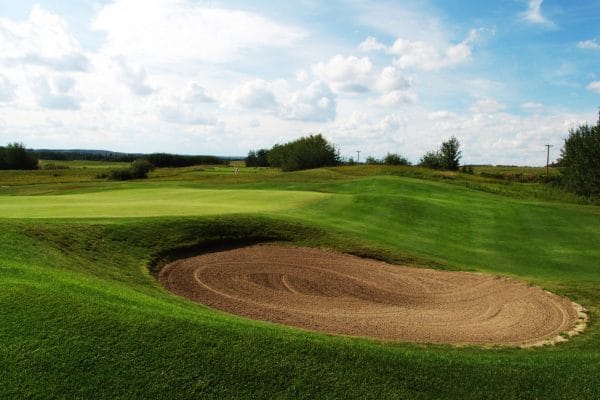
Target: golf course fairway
[83,315]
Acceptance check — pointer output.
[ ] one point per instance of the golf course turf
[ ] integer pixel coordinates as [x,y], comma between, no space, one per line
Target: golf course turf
[82,314]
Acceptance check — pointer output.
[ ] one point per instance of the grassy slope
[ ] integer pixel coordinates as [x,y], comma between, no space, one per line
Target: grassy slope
[81,316]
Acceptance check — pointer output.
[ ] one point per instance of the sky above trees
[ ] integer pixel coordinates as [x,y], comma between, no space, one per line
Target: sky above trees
[224,77]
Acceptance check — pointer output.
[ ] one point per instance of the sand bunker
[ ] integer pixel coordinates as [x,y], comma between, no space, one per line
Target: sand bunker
[343,294]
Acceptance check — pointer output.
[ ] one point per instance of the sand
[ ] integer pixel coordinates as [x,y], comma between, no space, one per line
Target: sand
[336,293]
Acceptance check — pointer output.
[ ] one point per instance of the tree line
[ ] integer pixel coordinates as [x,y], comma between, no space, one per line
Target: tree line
[308,152]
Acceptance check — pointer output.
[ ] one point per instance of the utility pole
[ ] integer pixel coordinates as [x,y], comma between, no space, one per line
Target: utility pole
[358,156]
[547,157]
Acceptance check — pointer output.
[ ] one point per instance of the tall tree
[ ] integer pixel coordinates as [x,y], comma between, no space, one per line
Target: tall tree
[450,154]
[580,160]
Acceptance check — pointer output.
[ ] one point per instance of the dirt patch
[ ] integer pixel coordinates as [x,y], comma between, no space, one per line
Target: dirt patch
[337,293]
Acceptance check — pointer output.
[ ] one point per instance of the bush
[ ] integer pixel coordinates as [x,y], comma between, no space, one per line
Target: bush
[139,170]
[580,161]
[432,160]
[373,161]
[16,156]
[450,154]
[447,157]
[258,158]
[313,151]
[395,159]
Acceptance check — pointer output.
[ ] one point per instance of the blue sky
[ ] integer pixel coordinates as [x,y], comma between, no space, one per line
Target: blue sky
[224,77]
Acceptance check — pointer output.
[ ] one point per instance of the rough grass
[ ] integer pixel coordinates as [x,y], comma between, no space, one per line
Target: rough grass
[81,315]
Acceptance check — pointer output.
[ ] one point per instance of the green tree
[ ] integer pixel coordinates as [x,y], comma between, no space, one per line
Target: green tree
[16,156]
[395,159]
[450,154]
[431,159]
[447,157]
[312,151]
[580,160]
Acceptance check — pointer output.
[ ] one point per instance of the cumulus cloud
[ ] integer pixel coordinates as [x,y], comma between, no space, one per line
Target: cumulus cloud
[441,115]
[255,94]
[186,114]
[345,74]
[133,78]
[397,98]
[56,93]
[181,30]
[594,87]
[426,56]
[534,14]
[390,79]
[487,106]
[588,44]
[7,89]
[197,94]
[43,40]
[316,103]
[532,106]
[371,44]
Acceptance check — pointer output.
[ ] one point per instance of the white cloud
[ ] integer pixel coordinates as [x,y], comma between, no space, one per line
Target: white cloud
[169,31]
[7,89]
[133,78]
[532,106]
[441,115]
[594,87]
[188,114]
[534,14]
[255,94]
[371,44]
[588,44]
[197,94]
[317,103]
[398,97]
[345,74]
[42,40]
[390,79]
[56,93]
[487,106]
[426,56]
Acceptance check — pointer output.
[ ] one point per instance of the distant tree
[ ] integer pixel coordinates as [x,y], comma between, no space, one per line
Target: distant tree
[16,156]
[312,151]
[372,160]
[580,160]
[258,158]
[450,154]
[447,157]
[139,169]
[251,159]
[431,159]
[395,159]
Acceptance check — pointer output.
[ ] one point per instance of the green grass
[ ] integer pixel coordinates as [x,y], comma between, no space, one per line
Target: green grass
[81,315]
[153,202]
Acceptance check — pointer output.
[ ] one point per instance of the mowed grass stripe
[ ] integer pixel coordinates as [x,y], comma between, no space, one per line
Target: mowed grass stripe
[153,203]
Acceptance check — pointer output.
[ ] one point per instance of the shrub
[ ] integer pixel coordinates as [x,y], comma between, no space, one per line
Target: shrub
[395,159]
[312,151]
[432,160]
[580,161]
[373,161]
[139,170]
[447,157]
[16,156]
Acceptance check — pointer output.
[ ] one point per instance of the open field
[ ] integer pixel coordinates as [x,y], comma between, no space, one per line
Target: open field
[82,314]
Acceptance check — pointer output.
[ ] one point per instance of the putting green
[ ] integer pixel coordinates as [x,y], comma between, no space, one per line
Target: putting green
[154,202]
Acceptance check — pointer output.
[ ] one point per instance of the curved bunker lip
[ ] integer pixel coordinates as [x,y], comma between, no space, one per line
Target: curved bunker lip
[326,291]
